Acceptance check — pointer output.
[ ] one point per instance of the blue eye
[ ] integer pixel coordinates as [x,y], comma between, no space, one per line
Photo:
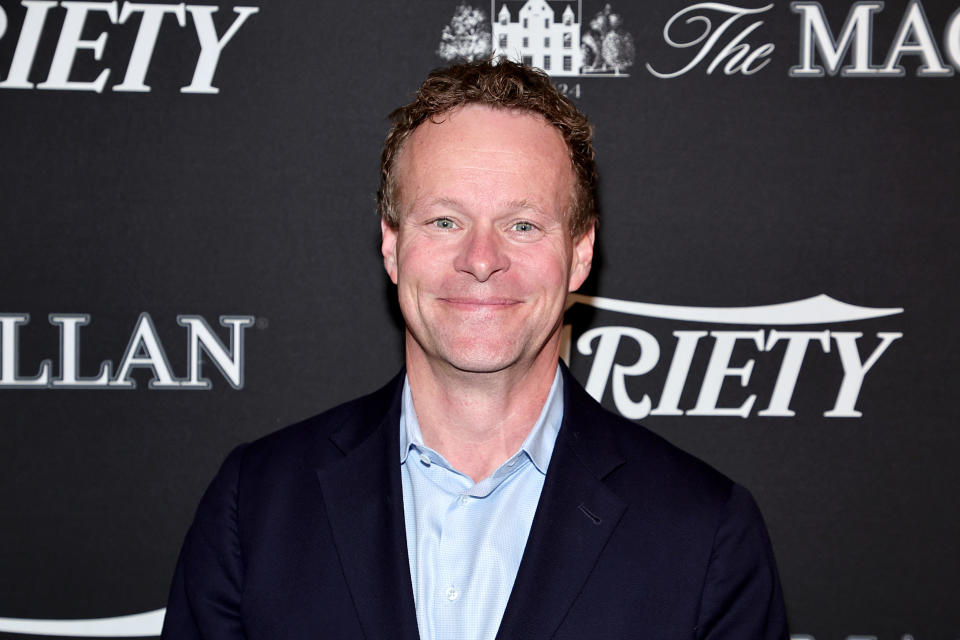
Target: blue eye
[523,226]
[444,223]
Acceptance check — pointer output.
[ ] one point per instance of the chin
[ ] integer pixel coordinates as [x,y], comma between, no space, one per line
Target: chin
[473,360]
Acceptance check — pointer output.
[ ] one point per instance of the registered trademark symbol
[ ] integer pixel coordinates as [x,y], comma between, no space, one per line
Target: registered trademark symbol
[263,323]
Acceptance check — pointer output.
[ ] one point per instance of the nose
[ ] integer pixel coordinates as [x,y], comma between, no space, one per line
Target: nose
[482,254]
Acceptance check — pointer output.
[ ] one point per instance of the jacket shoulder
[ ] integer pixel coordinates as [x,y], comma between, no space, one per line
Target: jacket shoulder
[323,437]
[638,461]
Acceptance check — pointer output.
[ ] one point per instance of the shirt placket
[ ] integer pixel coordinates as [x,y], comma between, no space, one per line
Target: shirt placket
[452,582]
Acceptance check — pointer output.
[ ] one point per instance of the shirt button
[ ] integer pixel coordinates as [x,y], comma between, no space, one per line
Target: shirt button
[512,462]
[452,594]
[425,459]
[463,499]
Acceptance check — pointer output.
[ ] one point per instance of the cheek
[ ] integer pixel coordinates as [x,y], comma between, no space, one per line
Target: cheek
[421,267]
[410,257]
[545,268]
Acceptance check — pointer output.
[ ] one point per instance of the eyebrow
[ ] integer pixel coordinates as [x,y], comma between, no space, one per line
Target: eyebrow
[512,205]
[517,205]
[450,203]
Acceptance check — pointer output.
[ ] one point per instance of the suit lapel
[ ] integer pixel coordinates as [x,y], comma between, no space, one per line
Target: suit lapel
[575,517]
[364,503]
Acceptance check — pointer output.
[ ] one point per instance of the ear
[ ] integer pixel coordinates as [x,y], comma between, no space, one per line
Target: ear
[388,247]
[582,259]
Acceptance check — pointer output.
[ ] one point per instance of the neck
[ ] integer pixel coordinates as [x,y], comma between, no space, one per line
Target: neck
[478,420]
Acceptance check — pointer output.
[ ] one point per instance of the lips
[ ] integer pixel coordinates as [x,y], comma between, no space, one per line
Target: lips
[481,301]
[480,304]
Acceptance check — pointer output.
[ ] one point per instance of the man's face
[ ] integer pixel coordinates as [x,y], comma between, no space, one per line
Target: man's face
[483,257]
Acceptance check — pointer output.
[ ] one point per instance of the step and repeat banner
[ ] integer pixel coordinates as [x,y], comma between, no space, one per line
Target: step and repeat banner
[190,260]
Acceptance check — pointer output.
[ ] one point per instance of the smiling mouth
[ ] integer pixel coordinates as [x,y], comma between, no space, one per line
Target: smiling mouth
[481,303]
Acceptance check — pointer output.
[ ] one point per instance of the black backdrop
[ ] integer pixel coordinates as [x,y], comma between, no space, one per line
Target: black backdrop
[718,190]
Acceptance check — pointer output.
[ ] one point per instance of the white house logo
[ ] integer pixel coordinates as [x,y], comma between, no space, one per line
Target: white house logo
[705,37]
[547,34]
[144,351]
[78,18]
[624,358]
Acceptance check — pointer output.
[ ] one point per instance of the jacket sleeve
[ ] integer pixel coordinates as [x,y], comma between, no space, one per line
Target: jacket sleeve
[742,598]
[205,597]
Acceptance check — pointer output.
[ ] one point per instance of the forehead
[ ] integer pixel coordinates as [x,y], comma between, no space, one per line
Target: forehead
[483,151]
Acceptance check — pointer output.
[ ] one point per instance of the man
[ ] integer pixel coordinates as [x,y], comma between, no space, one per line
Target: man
[482,493]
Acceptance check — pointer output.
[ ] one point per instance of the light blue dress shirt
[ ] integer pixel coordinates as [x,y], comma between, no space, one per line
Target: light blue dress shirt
[465,540]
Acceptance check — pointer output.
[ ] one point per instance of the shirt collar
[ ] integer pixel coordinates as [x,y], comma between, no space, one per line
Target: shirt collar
[538,444]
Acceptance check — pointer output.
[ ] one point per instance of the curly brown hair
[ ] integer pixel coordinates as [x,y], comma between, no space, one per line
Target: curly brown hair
[501,84]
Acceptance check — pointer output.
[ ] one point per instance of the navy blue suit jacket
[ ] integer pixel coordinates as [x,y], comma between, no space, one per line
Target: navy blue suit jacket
[301,535]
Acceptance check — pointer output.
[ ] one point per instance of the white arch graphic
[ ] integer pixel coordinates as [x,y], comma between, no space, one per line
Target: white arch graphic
[821,309]
[138,625]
